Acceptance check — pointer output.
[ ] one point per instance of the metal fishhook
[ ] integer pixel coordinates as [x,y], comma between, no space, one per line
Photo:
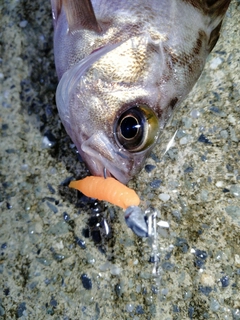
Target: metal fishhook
[105,173]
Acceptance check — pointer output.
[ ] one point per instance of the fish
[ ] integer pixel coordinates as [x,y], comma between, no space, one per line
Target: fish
[124,67]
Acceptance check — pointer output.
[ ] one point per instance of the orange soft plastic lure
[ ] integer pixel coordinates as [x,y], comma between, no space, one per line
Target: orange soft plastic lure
[108,189]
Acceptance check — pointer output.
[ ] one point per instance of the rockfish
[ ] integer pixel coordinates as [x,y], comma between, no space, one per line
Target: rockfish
[123,67]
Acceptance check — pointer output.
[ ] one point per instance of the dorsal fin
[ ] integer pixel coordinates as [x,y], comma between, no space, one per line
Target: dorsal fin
[216,10]
[214,37]
[213,8]
[80,14]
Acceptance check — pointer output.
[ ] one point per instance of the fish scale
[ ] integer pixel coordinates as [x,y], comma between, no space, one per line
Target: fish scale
[118,61]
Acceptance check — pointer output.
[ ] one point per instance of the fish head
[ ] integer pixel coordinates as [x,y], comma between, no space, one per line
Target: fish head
[108,103]
[123,69]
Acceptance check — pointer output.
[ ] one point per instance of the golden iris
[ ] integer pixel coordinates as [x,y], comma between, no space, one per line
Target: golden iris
[137,128]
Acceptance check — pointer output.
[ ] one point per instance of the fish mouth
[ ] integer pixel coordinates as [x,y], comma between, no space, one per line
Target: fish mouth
[105,159]
[105,169]
[99,169]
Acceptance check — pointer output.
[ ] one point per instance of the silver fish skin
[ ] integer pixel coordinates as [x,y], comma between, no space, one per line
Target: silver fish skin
[124,66]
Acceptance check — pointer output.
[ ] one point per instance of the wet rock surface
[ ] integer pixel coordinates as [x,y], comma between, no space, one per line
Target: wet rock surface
[65,256]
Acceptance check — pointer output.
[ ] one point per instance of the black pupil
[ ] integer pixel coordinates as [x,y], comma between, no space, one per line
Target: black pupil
[129,127]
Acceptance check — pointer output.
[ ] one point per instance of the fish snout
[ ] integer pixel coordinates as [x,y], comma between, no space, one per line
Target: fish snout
[107,159]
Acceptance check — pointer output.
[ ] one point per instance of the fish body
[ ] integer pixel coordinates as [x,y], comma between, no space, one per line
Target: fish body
[123,67]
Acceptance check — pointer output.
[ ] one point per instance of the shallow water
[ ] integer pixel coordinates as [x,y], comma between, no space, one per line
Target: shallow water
[57,260]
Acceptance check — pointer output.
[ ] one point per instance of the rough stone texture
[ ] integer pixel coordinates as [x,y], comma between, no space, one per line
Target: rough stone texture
[41,220]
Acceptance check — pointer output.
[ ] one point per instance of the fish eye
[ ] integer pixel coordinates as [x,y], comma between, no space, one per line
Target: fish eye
[137,128]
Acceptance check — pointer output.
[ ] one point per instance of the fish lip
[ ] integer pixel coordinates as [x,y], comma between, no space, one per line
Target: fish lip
[121,179]
[104,158]
[104,169]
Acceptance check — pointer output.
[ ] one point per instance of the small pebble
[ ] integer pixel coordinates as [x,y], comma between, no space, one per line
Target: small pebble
[215,109]
[90,259]
[115,270]
[201,254]
[155,183]
[38,227]
[118,289]
[191,312]
[4,246]
[154,157]
[6,291]
[93,221]
[180,133]
[20,309]
[66,181]
[80,242]
[163,224]
[66,217]
[139,309]
[188,170]
[183,140]
[168,266]
[97,207]
[149,167]
[224,134]
[86,282]
[129,307]
[187,295]
[23,23]
[52,207]
[48,140]
[9,206]
[60,227]
[47,281]
[203,139]
[51,189]
[2,311]
[234,212]
[235,190]
[205,290]
[155,289]
[176,308]
[225,281]
[237,260]
[187,122]
[53,303]
[215,63]
[199,263]
[164,197]
[176,214]
[195,114]
[164,291]
[96,236]
[233,135]
[214,305]
[45,262]
[236,314]
[219,184]
[58,256]
[182,243]
[104,267]
[204,195]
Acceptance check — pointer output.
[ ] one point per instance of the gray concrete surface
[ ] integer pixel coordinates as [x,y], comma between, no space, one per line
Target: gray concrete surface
[57,262]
